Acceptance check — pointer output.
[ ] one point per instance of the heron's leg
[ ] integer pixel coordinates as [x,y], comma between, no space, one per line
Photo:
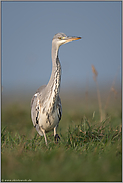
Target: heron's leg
[44,135]
[55,128]
[56,136]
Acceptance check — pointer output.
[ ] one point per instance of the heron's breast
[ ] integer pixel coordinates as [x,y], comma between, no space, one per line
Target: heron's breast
[48,120]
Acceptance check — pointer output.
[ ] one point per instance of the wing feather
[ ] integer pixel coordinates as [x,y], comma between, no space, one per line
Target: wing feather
[35,109]
[59,108]
[35,106]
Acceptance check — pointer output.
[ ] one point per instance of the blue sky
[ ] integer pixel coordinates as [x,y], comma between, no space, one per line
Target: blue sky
[27,32]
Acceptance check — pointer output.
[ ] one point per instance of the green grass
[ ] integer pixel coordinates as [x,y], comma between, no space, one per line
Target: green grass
[88,150]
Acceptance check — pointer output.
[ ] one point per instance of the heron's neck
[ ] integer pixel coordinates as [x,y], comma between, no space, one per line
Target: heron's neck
[53,85]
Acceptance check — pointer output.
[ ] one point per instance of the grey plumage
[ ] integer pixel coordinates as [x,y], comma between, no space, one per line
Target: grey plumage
[46,108]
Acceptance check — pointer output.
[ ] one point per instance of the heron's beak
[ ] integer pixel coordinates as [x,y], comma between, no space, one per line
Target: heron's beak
[69,39]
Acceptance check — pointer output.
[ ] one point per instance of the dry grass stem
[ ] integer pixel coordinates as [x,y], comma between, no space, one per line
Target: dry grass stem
[102,114]
[94,72]
[86,95]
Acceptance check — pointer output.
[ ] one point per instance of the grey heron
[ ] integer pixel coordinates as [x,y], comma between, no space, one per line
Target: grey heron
[46,108]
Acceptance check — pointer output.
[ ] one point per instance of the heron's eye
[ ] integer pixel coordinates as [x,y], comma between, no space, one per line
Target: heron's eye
[61,38]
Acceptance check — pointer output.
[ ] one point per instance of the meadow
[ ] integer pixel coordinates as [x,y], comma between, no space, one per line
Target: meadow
[89,148]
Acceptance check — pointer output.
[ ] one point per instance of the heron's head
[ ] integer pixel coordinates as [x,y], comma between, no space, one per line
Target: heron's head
[61,38]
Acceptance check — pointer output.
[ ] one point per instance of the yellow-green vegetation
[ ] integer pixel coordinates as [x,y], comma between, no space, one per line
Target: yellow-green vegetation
[89,150]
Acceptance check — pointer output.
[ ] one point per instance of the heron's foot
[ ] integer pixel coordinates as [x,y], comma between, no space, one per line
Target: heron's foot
[56,138]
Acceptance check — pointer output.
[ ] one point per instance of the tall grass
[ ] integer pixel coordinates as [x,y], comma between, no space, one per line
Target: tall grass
[88,150]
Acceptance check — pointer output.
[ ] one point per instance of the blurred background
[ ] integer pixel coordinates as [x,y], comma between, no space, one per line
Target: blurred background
[27,32]
[90,90]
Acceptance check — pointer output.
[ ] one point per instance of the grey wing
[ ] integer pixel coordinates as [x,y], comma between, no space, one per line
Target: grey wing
[59,108]
[35,112]
[35,109]
[35,106]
